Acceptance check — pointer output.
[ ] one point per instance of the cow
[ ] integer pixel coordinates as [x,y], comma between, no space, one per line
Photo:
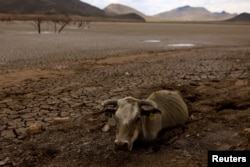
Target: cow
[142,120]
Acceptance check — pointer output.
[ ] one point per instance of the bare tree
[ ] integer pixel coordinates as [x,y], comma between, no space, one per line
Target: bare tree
[37,24]
[84,25]
[59,21]
[55,25]
[64,23]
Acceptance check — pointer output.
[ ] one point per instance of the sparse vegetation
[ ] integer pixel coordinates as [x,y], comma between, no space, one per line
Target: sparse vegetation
[38,20]
[60,21]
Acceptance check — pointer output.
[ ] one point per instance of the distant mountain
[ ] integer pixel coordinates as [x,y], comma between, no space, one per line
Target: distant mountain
[118,9]
[244,17]
[130,16]
[188,13]
[68,7]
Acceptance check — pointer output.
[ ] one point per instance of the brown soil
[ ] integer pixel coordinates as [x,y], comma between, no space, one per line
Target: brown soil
[215,86]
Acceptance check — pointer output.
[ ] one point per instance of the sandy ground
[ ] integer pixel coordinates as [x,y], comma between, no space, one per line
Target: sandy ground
[68,75]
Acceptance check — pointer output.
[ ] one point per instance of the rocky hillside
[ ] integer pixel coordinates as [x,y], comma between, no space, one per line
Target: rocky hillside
[244,17]
[130,17]
[188,13]
[68,7]
[118,9]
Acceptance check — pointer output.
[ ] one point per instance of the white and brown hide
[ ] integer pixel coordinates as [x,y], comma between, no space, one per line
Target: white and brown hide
[144,119]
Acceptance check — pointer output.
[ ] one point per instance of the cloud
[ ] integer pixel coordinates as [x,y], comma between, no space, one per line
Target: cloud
[232,6]
[151,7]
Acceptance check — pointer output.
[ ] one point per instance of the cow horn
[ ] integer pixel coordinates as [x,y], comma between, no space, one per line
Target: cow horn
[148,103]
[109,102]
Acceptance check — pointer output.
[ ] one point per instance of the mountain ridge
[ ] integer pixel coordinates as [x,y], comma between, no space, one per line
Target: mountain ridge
[65,7]
[114,9]
[188,13]
[243,17]
[77,7]
[183,13]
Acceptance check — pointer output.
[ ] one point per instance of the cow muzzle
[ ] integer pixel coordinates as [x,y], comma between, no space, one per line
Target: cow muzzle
[123,145]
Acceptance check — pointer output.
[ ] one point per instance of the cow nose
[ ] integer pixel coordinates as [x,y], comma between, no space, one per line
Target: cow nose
[121,145]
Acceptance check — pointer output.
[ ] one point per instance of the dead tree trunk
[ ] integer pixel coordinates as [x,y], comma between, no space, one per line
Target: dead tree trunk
[55,23]
[84,25]
[37,24]
[64,25]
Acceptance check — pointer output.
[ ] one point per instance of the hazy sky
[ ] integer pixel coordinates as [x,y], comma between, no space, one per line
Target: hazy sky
[151,7]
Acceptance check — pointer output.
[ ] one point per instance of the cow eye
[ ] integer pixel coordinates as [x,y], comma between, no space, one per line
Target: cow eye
[109,112]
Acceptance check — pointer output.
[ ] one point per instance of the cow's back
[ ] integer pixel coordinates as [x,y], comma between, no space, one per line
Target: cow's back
[174,109]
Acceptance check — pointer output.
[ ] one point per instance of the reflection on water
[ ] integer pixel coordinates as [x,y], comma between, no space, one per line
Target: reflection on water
[35,32]
[182,45]
[152,41]
[170,45]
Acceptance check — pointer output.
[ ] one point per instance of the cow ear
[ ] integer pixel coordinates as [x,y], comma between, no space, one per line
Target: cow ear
[150,111]
[109,111]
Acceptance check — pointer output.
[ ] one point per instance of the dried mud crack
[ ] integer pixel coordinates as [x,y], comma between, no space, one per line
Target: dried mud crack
[213,81]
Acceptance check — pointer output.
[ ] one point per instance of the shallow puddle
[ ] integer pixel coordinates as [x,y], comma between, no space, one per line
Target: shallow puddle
[181,45]
[35,32]
[152,41]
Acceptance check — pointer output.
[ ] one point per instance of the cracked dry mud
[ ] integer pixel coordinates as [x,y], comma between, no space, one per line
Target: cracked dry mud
[214,82]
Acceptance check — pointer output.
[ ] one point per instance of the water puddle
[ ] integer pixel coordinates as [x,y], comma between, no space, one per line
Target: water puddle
[35,32]
[181,45]
[152,41]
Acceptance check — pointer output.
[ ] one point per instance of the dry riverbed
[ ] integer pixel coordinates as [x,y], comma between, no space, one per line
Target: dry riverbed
[50,104]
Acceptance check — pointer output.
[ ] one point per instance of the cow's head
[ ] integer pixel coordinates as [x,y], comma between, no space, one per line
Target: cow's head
[128,112]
